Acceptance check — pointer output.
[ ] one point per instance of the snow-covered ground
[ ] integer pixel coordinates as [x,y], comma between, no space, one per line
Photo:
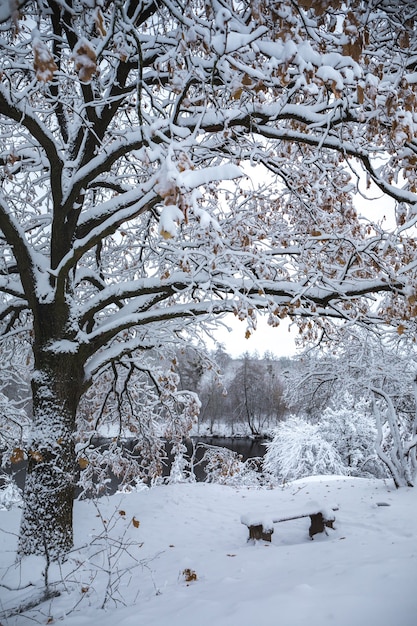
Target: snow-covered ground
[179,557]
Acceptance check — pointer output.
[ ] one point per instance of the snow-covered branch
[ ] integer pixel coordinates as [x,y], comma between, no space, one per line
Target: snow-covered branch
[162,163]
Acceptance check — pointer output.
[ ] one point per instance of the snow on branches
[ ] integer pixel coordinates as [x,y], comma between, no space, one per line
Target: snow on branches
[125,220]
[43,64]
[299,449]
[85,60]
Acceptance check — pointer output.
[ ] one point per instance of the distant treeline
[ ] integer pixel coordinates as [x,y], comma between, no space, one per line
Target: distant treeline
[243,395]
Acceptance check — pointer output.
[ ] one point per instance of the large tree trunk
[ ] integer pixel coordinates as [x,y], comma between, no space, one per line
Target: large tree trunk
[47,526]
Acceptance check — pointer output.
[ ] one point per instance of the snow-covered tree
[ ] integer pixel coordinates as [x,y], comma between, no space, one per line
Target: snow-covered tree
[351,427]
[298,449]
[131,402]
[364,369]
[118,123]
[341,441]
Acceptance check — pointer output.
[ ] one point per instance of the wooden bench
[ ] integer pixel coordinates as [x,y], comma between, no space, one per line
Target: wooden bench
[262,528]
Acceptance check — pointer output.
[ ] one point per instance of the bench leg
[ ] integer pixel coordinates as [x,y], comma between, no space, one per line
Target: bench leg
[258,533]
[317,524]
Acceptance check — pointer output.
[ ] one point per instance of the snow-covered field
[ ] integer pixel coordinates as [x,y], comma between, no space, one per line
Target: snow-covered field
[179,556]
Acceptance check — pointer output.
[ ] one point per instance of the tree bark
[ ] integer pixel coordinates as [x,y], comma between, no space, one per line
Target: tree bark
[47,521]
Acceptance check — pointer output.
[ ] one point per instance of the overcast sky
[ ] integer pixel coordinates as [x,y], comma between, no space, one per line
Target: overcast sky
[279,341]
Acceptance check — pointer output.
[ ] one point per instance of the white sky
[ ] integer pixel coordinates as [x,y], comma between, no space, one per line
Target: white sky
[279,341]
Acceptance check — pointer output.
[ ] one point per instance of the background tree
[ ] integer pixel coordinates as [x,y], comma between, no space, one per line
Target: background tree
[117,123]
[255,393]
[238,396]
[245,394]
[271,391]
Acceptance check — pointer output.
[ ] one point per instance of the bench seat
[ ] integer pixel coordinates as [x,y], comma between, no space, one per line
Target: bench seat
[261,527]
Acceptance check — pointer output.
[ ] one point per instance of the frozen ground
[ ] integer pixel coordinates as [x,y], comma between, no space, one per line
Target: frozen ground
[179,556]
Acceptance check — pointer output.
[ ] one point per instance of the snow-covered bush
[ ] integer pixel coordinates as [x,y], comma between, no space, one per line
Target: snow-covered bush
[10,494]
[181,469]
[374,374]
[226,467]
[14,428]
[299,449]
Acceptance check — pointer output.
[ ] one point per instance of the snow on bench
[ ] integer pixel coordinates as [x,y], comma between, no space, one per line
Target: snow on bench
[262,527]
